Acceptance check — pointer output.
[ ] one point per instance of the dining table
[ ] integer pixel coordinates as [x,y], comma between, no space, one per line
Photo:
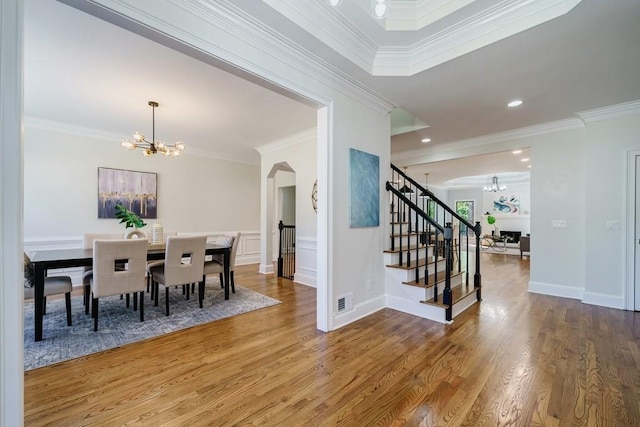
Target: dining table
[50,259]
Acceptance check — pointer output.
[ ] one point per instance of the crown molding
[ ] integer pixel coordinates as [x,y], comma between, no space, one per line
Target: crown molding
[492,24]
[610,112]
[526,132]
[84,132]
[411,15]
[329,26]
[290,141]
[221,31]
[51,125]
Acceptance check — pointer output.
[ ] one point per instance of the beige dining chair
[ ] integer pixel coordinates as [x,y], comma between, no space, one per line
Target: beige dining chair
[215,266]
[109,279]
[87,243]
[183,265]
[54,285]
[151,264]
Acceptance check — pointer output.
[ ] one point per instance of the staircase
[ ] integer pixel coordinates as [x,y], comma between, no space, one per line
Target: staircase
[429,261]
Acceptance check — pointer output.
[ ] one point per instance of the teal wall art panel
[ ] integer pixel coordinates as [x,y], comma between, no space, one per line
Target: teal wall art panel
[364,189]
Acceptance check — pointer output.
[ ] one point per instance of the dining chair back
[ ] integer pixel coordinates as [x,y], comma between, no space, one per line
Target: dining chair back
[53,285]
[87,243]
[183,265]
[216,267]
[110,279]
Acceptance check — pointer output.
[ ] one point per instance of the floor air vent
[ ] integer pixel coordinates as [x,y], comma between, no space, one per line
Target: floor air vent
[345,302]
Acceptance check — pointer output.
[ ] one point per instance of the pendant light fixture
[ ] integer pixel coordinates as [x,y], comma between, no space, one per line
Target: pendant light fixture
[152,147]
[426,183]
[405,188]
[495,186]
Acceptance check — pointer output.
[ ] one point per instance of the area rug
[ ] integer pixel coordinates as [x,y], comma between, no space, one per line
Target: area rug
[119,325]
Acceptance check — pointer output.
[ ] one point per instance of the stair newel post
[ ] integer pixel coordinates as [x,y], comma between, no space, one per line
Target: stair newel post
[280,258]
[447,296]
[477,278]
[393,213]
[436,249]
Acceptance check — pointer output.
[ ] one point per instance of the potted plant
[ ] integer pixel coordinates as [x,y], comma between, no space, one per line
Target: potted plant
[491,220]
[131,220]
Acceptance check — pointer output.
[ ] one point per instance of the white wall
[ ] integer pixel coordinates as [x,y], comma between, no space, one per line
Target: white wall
[195,194]
[606,143]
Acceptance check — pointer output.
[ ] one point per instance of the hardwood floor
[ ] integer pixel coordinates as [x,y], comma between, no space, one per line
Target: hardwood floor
[515,359]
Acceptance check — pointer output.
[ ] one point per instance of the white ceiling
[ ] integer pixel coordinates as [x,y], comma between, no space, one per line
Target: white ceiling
[585,58]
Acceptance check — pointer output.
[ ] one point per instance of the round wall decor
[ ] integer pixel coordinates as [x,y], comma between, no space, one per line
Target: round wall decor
[314,196]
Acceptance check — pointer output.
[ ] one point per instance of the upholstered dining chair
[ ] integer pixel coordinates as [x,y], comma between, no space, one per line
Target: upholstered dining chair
[53,285]
[215,266]
[151,264]
[109,279]
[183,265]
[87,243]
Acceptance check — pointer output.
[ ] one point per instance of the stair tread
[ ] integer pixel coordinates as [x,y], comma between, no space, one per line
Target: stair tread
[405,248]
[458,293]
[421,263]
[431,280]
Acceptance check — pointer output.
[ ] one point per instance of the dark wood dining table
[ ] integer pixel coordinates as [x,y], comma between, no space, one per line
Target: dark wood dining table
[51,259]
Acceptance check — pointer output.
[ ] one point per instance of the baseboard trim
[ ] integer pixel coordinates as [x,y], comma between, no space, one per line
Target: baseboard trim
[603,300]
[359,311]
[305,279]
[555,290]
[266,269]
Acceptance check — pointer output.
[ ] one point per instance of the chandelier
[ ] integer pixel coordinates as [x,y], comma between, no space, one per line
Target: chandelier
[495,187]
[152,147]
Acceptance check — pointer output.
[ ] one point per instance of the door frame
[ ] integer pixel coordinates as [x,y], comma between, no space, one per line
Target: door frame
[630,231]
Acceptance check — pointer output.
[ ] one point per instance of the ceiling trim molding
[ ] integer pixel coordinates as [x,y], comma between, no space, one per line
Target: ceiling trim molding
[610,112]
[329,26]
[198,24]
[526,132]
[492,24]
[55,126]
[409,15]
[304,136]
[111,137]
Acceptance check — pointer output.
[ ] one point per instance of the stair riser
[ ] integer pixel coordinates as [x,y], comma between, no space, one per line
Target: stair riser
[394,258]
[402,275]
[455,281]
[406,240]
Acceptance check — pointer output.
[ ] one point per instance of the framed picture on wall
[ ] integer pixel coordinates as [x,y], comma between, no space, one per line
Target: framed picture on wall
[136,191]
[364,189]
[508,205]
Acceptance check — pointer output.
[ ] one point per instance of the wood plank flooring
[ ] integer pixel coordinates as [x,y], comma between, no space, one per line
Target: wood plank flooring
[515,359]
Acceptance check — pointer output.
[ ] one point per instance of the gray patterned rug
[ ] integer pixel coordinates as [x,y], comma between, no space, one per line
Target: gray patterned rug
[119,325]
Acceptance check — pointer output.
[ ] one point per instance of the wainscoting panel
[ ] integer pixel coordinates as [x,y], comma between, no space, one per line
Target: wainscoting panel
[306,261]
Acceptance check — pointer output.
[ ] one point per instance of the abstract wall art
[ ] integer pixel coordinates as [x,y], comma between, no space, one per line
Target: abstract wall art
[507,205]
[136,191]
[364,189]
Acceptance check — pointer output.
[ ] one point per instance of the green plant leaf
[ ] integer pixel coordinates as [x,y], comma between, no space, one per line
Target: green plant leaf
[129,218]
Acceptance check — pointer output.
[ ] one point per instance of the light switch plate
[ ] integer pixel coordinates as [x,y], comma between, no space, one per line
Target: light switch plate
[613,224]
[559,223]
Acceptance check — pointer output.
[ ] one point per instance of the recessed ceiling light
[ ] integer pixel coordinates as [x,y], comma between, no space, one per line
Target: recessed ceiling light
[529,166]
[425,140]
[515,103]
[524,159]
[517,151]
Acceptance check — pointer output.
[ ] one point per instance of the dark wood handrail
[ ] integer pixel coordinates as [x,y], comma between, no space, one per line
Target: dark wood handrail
[476,228]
